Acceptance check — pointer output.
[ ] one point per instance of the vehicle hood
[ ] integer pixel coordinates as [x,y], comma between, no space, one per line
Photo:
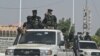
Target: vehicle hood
[2,54]
[32,46]
[90,50]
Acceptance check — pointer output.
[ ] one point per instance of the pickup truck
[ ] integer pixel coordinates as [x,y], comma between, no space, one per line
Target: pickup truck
[38,42]
[85,48]
[88,48]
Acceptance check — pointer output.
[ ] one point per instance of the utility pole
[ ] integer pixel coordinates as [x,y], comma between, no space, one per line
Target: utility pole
[86,19]
[20,12]
[72,25]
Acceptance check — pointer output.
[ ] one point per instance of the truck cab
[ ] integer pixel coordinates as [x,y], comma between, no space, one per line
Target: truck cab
[88,48]
[38,42]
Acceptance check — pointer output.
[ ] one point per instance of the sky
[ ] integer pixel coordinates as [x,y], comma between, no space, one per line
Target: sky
[9,11]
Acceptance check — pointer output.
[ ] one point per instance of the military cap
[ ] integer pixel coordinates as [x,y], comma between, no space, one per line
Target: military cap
[29,16]
[34,10]
[87,32]
[50,10]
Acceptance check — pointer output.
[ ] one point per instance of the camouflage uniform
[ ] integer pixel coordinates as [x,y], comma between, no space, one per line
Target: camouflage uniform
[28,24]
[87,36]
[50,20]
[36,22]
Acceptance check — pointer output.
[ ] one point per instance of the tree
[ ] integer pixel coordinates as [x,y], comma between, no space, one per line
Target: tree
[68,31]
[98,32]
[96,39]
[65,26]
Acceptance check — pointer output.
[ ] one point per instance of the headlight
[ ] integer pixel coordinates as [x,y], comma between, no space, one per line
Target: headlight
[9,52]
[48,52]
[85,53]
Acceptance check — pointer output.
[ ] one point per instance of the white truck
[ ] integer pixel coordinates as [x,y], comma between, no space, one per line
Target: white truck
[85,48]
[38,42]
[48,42]
[88,48]
[2,54]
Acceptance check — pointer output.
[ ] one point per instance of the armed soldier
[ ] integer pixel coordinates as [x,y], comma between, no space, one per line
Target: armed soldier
[87,36]
[21,30]
[28,24]
[36,20]
[50,20]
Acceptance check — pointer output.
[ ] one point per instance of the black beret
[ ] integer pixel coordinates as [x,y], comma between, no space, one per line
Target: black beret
[29,16]
[50,10]
[34,10]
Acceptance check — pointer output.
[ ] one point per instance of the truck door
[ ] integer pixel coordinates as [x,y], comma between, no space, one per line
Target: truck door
[60,42]
[61,45]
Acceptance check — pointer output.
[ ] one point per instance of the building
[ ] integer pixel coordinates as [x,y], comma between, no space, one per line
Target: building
[8,31]
[7,36]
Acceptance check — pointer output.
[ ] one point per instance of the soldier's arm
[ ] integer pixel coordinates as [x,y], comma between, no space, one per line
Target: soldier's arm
[44,20]
[39,19]
[55,19]
[24,25]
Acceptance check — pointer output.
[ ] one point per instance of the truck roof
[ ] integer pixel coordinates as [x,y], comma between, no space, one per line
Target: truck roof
[87,41]
[53,30]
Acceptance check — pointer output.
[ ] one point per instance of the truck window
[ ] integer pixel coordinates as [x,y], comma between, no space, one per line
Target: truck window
[38,37]
[87,45]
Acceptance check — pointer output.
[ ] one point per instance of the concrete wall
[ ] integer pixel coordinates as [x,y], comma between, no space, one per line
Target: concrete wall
[5,42]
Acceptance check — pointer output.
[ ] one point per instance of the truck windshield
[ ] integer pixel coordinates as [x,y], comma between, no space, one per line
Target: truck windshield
[87,45]
[38,37]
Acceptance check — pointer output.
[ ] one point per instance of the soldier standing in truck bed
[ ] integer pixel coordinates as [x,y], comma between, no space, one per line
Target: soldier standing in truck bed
[87,36]
[50,20]
[36,20]
[28,24]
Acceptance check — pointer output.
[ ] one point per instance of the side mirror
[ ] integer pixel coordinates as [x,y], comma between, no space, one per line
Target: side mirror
[61,43]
